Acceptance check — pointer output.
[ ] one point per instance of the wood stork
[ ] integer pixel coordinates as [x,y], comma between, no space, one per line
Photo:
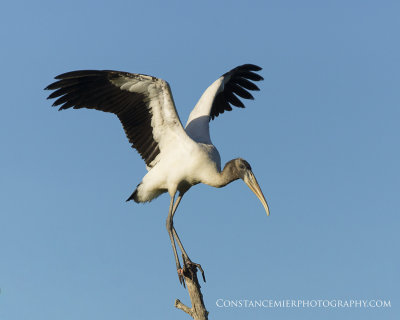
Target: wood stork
[176,158]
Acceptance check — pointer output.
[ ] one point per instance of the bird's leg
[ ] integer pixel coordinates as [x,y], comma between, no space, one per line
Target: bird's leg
[178,200]
[169,224]
[185,257]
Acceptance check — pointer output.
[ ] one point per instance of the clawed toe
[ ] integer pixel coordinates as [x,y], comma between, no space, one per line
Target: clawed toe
[191,266]
[181,278]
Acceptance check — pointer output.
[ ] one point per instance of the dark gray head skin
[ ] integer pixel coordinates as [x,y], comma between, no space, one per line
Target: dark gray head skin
[241,169]
[242,166]
[236,168]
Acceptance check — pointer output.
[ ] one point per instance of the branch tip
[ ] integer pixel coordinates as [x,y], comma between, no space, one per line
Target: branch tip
[180,305]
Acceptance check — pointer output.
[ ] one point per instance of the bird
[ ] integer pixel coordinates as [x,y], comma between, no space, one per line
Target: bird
[176,157]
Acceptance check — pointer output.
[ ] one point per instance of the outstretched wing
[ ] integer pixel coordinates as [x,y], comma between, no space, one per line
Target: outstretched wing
[143,104]
[220,97]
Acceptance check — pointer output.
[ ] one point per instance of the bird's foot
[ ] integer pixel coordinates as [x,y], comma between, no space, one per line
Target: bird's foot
[181,277]
[191,267]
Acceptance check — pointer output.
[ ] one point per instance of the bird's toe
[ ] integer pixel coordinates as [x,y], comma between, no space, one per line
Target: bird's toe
[181,277]
[189,265]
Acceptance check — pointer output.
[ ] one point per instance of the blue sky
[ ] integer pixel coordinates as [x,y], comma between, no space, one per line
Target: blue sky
[322,137]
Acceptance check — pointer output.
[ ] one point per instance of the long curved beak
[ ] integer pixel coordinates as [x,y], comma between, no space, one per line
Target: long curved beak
[252,183]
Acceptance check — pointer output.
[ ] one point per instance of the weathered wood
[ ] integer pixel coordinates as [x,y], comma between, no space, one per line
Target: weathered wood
[198,310]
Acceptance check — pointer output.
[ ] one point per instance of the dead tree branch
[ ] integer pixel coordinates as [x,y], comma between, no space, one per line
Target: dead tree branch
[198,310]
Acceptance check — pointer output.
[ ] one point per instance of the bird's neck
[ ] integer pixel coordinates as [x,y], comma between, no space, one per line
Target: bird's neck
[227,175]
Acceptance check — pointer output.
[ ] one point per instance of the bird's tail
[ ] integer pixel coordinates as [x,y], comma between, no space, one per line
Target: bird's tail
[143,194]
[134,195]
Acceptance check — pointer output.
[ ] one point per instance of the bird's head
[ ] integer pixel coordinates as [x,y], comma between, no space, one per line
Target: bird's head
[245,173]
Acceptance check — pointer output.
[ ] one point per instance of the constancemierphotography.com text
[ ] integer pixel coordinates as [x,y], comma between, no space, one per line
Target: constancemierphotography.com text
[301,303]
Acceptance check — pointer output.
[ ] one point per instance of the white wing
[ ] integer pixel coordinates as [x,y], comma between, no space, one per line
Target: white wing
[218,97]
[143,104]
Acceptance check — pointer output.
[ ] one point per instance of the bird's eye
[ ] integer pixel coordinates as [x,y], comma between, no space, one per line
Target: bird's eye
[241,166]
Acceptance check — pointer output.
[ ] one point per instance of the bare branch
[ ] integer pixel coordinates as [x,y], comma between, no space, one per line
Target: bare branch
[180,305]
[198,310]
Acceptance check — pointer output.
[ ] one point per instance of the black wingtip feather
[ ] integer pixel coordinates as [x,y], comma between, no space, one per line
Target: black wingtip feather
[238,82]
[251,67]
[79,74]
[250,75]
[246,84]
[240,91]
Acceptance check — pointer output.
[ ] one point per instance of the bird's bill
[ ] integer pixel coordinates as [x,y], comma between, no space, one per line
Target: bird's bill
[252,183]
